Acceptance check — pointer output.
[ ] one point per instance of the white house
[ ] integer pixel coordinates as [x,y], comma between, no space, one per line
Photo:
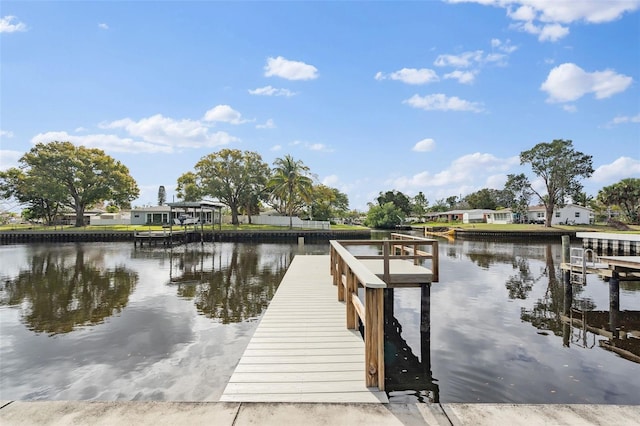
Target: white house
[570,214]
[150,215]
[203,210]
[476,216]
[501,217]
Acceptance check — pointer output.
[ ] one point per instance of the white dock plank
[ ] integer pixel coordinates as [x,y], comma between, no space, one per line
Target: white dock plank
[301,350]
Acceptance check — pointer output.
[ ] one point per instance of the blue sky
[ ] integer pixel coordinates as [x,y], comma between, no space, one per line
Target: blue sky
[432,96]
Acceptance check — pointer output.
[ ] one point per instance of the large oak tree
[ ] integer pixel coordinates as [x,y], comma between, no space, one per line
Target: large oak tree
[560,167]
[72,176]
[232,176]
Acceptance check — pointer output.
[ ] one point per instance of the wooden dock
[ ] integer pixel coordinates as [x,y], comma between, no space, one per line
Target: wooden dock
[302,350]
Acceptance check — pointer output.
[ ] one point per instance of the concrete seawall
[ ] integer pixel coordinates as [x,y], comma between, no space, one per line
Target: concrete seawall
[239,414]
[17,237]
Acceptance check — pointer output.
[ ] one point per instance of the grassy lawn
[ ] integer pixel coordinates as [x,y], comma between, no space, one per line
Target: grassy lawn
[246,227]
[225,227]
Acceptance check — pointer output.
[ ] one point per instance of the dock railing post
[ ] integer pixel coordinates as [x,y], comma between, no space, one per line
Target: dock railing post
[337,278]
[374,337]
[385,261]
[352,288]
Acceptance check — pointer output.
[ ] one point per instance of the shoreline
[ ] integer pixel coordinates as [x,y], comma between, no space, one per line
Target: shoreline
[71,236]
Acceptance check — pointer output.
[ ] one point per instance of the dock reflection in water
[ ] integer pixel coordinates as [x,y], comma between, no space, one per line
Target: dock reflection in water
[408,376]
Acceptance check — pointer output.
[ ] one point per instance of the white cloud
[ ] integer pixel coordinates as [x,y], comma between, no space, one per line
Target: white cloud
[468,63]
[7,25]
[269,124]
[318,147]
[311,146]
[463,77]
[6,134]
[171,133]
[475,171]
[463,60]
[441,102]
[468,171]
[549,19]
[568,82]
[410,76]
[105,142]
[271,91]
[621,119]
[103,26]
[9,158]
[276,148]
[224,114]
[80,129]
[424,145]
[291,70]
[331,181]
[621,168]
[570,108]
[552,32]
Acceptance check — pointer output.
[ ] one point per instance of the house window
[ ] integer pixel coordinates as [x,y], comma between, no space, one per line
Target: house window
[577,214]
[557,214]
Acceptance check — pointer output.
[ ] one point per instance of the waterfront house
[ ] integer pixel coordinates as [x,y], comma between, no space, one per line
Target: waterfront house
[205,211]
[571,214]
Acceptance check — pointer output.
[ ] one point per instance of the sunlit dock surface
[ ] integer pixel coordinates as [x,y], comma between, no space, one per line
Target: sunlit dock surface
[302,350]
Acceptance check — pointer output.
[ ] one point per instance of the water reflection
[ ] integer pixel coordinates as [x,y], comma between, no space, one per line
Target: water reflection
[408,377]
[582,323]
[230,283]
[60,291]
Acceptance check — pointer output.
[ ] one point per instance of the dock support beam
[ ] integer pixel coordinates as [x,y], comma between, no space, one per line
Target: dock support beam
[614,304]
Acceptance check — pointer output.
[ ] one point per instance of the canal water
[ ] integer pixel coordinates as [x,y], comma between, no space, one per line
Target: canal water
[107,321]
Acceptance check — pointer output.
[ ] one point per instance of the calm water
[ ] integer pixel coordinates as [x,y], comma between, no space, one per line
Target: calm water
[105,321]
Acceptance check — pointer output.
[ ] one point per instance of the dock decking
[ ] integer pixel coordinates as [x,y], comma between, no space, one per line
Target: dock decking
[302,350]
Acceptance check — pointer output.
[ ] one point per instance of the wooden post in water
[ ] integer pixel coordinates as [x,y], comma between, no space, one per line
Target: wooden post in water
[568,288]
[385,261]
[614,304]
[425,325]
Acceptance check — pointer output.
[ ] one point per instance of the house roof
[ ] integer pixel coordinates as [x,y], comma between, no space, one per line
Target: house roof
[204,204]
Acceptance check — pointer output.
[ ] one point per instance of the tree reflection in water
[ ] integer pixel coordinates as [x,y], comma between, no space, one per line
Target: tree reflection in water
[58,292]
[231,283]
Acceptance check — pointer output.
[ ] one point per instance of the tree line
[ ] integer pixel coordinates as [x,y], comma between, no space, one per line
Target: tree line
[59,175]
[557,164]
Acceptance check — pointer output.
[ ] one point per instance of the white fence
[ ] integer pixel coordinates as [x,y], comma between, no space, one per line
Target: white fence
[284,221]
[110,219]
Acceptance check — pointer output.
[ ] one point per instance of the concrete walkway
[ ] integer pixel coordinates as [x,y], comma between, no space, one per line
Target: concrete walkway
[309,414]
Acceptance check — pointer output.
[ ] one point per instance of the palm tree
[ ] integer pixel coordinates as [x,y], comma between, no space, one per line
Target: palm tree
[290,182]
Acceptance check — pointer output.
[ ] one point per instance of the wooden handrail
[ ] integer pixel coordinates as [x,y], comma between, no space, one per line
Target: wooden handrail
[371,313]
[349,274]
[365,276]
